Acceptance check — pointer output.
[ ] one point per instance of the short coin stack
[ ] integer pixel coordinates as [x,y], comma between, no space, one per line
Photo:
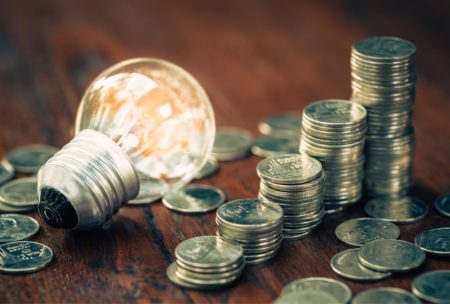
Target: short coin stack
[206,262]
[296,183]
[333,131]
[384,80]
[254,224]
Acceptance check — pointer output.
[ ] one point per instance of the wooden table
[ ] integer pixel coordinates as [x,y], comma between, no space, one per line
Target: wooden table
[254,58]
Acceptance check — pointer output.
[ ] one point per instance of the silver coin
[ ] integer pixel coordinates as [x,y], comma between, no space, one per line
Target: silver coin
[338,290]
[391,255]
[435,241]
[357,232]
[196,279]
[20,192]
[8,208]
[213,270]
[16,227]
[346,264]
[384,47]
[385,295]
[281,125]
[402,211]
[334,113]
[28,159]
[442,205]
[231,143]
[307,296]
[172,275]
[266,146]
[433,286]
[208,168]
[150,190]
[194,199]
[6,172]
[24,257]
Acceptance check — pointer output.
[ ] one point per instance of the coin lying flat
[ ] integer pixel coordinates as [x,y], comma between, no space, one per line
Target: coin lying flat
[6,172]
[434,241]
[357,232]
[433,286]
[391,255]
[231,143]
[20,192]
[24,257]
[8,208]
[208,168]
[306,296]
[281,125]
[265,146]
[442,205]
[194,199]
[28,159]
[385,295]
[403,211]
[150,190]
[337,290]
[16,227]
[346,264]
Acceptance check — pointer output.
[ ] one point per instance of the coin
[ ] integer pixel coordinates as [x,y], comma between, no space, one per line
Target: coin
[28,159]
[442,205]
[391,255]
[337,290]
[6,172]
[231,143]
[346,264]
[16,227]
[20,192]
[281,125]
[194,199]
[334,113]
[357,232]
[8,208]
[306,296]
[24,257]
[384,47]
[266,146]
[385,295]
[208,168]
[403,210]
[433,286]
[435,241]
[171,274]
[150,190]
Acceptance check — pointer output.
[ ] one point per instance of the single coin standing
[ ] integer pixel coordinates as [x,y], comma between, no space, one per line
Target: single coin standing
[385,295]
[442,205]
[208,168]
[28,159]
[150,190]
[231,143]
[17,227]
[391,255]
[357,232]
[347,265]
[6,172]
[24,257]
[403,210]
[434,241]
[286,125]
[337,290]
[433,286]
[20,192]
[194,199]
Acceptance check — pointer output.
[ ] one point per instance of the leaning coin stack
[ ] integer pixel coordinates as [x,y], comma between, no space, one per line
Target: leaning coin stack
[384,80]
[254,224]
[333,131]
[296,183]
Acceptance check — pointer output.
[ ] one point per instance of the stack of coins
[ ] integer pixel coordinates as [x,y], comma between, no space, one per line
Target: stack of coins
[333,131]
[231,143]
[384,80]
[296,183]
[254,224]
[206,262]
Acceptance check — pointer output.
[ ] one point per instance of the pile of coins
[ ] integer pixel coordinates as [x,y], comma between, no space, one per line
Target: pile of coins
[333,131]
[296,183]
[384,80]
[206,262]
[254,224]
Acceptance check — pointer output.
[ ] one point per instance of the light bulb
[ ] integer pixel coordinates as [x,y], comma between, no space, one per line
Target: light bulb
[139,117]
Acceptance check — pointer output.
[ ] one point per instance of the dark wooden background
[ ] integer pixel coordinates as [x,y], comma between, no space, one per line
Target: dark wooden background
[254,58]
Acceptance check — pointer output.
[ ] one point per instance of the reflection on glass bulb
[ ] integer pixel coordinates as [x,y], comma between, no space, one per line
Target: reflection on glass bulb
[143,116]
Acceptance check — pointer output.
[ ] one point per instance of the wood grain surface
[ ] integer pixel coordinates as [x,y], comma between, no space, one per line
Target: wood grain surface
[254,58]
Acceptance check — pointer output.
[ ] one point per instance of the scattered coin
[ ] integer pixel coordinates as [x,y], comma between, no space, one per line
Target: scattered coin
[385,295]
[20,192]
[357,232]
[16,227]
[337,290]
[24,257]
[231,143]
[442,205]
[194,199]
[434,241]
[208,168]
[281,125]
[391,255]
[7,208]
[346,264]
[6,172]
[265,146]
[433,286]
[28,159]
[150,190]
[306,296]
[403,210]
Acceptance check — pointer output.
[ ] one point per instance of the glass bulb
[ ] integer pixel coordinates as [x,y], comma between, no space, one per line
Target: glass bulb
[140,117]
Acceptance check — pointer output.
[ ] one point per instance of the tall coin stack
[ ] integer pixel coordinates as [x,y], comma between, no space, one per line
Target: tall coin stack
[296,183]
[384,80]
[254,224]
[333,132]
